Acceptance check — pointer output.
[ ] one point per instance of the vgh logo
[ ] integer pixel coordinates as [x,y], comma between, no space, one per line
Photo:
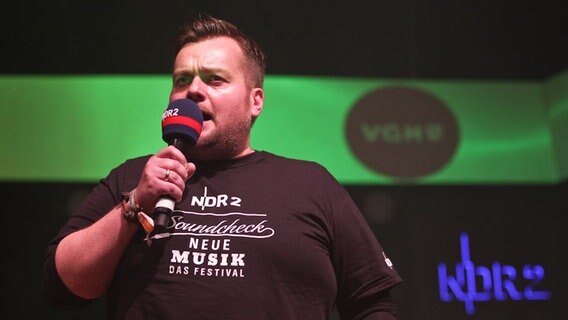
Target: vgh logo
[402,132]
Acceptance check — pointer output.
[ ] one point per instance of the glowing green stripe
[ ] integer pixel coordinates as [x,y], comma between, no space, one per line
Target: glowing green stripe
[77,128]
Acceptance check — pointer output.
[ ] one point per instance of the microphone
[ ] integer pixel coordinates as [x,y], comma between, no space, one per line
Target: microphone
[181,126]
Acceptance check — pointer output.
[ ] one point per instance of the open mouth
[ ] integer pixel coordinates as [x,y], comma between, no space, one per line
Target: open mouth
[206,116]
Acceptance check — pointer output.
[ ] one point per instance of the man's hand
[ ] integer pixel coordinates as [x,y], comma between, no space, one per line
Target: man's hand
[165,173]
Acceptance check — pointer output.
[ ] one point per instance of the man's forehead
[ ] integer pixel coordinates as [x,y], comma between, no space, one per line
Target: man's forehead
[214,53]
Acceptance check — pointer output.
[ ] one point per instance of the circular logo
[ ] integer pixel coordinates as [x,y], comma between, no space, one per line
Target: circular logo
[402,132]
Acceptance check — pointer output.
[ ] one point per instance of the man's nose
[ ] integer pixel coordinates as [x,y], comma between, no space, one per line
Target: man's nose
[195,91]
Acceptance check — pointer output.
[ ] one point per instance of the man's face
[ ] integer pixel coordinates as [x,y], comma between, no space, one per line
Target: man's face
[212,73]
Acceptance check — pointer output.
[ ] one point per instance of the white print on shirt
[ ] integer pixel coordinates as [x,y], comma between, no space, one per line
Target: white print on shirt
[221,200]
[207,272]
[232,224]
[208,259]
[207,264]
[210,235]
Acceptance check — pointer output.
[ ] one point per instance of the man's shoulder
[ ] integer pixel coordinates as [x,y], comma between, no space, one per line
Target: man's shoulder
[135,162]
[288,161]
[138,160]
[297,167]
[132,165]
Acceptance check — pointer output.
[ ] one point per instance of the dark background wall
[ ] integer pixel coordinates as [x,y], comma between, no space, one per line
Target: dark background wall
[383,38]
[420,225]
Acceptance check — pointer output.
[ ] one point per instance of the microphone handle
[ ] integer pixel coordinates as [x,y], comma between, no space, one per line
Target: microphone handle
[163,213]
[165,205]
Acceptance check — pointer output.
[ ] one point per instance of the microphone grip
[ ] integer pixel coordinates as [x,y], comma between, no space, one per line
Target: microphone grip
[163,213]
[165,205]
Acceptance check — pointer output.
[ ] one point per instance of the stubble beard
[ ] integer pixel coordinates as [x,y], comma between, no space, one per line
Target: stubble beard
[224,143]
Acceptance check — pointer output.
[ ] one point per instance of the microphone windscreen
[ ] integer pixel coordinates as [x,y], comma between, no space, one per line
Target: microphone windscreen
[182,119]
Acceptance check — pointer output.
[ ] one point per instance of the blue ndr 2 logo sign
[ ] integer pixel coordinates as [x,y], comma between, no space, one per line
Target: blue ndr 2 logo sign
[499,282]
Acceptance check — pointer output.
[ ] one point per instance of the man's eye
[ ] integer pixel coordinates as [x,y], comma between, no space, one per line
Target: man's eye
[214,78]
[180,81]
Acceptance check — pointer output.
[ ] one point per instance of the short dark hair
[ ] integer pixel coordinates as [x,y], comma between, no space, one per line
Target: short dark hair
[207,27]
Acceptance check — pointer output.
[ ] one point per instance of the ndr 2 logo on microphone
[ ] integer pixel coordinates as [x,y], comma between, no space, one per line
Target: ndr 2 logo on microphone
[470,283]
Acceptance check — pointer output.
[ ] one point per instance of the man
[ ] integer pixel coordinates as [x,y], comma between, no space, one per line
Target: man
[252,236]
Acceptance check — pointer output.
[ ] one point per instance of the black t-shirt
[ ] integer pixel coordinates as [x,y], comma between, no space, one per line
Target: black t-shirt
[260,237]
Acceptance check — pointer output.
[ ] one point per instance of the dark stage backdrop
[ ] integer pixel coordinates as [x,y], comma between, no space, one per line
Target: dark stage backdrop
[516,242]
[383,38]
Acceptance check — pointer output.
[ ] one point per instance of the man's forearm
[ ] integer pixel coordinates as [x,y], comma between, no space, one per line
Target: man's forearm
[86,259]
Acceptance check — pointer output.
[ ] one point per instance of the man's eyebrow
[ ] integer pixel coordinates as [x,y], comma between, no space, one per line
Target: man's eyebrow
[180,72]
[202,69]
[215,70]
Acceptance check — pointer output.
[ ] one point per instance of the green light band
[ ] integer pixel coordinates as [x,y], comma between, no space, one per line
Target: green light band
[77,128]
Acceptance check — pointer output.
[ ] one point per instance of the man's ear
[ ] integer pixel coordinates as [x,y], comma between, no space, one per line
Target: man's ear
[257,102]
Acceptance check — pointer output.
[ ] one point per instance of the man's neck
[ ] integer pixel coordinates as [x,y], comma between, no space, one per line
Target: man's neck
[215,155]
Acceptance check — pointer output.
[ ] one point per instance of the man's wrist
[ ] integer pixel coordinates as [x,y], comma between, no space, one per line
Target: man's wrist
[130,206]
